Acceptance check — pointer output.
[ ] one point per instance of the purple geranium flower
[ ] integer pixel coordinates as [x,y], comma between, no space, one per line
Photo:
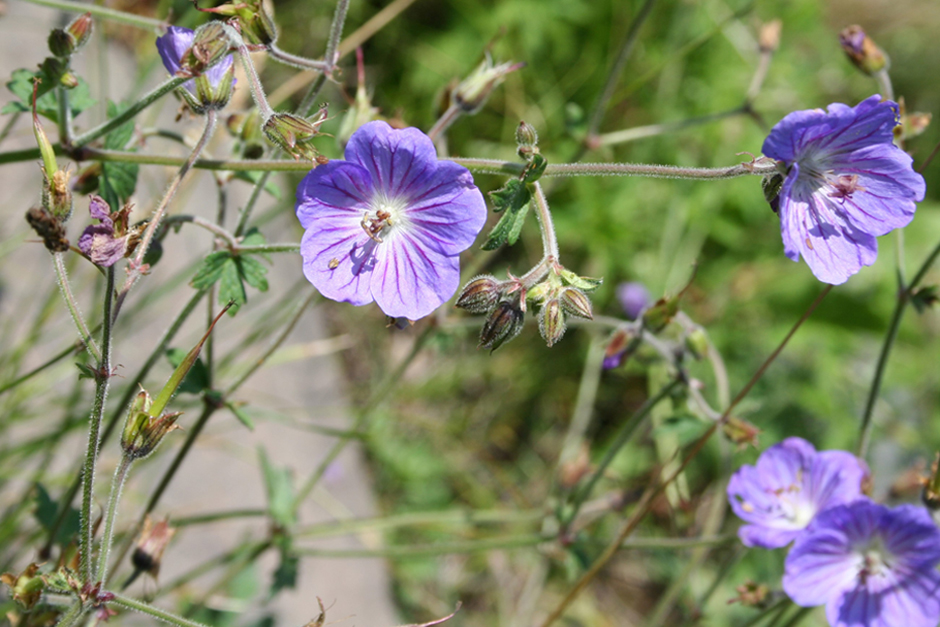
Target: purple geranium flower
[99,241]
[790,484]
[872,566]
[634,298]
[388,223]
[846,183]
[173,48]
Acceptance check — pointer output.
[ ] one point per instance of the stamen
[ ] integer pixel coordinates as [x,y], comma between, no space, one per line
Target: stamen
[844,186]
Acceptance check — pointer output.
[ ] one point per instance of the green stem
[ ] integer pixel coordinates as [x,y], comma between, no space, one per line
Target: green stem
[445,121]
[72,615]
[640,132]
[212,227]
[148,99]
[65,117]
[431,550]
[70,302]
[546,226]
[331,56]
[245,213]
[145,608]
[267,248]
[623,436]
[102,12]
[102,384]
[117,484]
[301,63]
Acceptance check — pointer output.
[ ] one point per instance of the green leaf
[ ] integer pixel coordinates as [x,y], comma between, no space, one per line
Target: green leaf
[286,574]
[534,169]
[231,287]
[211,269]
[118,180]
[513,199]
[253,271]
[21,84]
[279,485]
[86,372]
[47,511]
[241,415]
[197,379]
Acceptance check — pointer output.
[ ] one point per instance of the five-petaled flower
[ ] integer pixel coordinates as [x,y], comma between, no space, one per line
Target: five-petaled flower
[790,484]
[846,183]
[389,223]
[870,565]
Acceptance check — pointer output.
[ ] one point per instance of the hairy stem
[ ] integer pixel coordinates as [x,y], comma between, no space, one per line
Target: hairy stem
[145,608]
[72,305]
[117,484]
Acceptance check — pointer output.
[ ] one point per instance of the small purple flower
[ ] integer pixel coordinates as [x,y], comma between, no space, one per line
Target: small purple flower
[846,183]
[634,298]
[872,566]
[98,241]
[173,48]
[389,223]
[790,484]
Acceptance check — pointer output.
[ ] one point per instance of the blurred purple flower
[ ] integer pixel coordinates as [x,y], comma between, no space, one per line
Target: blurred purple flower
[388,223]
[634,298]
[173,48]
[98,241]
[790,484]
[846,183]
[870,565]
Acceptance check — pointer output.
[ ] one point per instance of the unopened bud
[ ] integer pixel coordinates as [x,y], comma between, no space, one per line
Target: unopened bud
[294,134]
[58,70]
[472,93]
[661,313]
[621,345]
[81,29]
[741,432]
[862,50]
[503,324]
[480,294]
[49,228]
[61,43]
[912,124]
[25,588]
[571,472]
[552,324]
[769,37]
[576,303]
[772,184]
[143,432]
[210,44]
[151,544]
[527,140]
[697,343]
[634,298]
[214,95]
[254,19]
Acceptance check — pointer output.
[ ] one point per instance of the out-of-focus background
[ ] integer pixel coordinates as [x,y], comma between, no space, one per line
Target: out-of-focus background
[455,469]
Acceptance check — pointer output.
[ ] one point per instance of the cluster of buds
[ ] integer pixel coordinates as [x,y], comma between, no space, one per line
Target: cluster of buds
[143,432]
[473,92]
[254,18]
[111,239]
[862,51]
[295,134]
[561,294]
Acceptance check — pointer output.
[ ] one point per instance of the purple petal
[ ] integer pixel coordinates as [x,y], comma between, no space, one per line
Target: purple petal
[907,598]
[411,279]
[172,47]
[338,190]
[216,73]
[911,536]
[634,298]
[834,478]
[447,206]
[99,209]
[99,243]
[401,161]
[820,566]
[815,228]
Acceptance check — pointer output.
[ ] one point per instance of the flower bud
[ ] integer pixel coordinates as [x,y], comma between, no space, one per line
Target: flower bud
[61,43]
[49,228]
[254,20]
[527,140]
[862,50]
[772,184]
[620,346]
[741,432]
[215,94]
[294,134]
[64,42]
[151,544]
[697,343]
[552,324]
[503,324]
[576,303]
[81,29]
[931,493]
[480,294]
[472,93]
[210,44]
[26,588]
[769,36]
[143,432]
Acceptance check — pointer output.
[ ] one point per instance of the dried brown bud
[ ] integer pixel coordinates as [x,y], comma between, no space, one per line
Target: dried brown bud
[151,544]
[48,227]
[751,594]
[862,50]
[769,37]
[741,432]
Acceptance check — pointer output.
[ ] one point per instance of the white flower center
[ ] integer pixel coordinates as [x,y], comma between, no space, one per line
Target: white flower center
[384,216]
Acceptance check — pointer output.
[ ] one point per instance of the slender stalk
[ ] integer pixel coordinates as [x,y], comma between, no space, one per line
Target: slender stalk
[65,117]
[254,82]
[71,616]
[245,213]
[117,485]
[331,56]
[268,248]
[212,227]
[547,227]
[102,384]
[301,63]
[639,132]
[102,12]
[310,98]
[414,519]
[11,122]
[875,389]
[584,401]
[148,99]
[445,121]
[63,279]
[145,608]
[431,550]
[626,48]
[623,436]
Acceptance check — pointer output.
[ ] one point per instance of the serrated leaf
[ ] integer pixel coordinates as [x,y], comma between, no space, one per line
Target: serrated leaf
[119,137]
[197,379]
[513,195]
[47,511]
[21,85]
[253,272]
[231,287]
[508,228]
[211,270]
[286,574]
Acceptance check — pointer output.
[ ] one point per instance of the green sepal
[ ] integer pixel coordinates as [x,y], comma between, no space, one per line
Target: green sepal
[513,199]
[534,169]
[583,283]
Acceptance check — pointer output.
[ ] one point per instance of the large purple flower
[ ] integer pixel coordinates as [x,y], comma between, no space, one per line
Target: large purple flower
[173,48]
[388,223]
[790,484]
[870,565]
[846,183]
